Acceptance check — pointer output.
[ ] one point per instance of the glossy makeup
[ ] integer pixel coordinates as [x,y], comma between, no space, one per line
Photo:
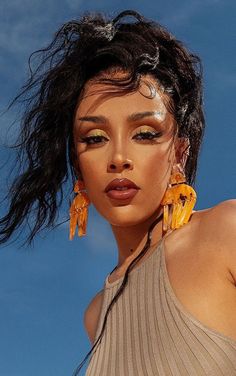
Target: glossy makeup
[129,136]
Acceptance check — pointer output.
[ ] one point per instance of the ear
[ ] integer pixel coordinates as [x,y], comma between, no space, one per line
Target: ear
[182,146]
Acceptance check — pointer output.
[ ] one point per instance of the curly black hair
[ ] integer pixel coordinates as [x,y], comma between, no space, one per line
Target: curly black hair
[81,50]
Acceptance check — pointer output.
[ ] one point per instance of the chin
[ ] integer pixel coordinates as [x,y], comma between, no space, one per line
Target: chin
[127,215]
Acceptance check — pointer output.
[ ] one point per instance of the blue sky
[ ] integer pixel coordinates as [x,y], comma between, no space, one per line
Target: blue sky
[45,289]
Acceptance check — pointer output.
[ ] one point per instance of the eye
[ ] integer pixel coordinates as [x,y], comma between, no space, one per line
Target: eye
[140,136]
[91,140]
[147,135]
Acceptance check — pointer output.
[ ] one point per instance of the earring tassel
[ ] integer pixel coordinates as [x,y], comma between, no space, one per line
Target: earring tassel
[165,217]
[188,208]
[177,209]
[79,214]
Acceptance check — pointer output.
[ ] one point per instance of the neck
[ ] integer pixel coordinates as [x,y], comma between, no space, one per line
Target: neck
[131,239]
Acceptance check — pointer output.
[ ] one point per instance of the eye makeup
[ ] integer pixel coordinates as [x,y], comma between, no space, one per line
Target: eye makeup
[144,134]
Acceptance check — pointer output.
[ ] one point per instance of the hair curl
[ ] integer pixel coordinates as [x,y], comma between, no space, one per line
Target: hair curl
[81,50]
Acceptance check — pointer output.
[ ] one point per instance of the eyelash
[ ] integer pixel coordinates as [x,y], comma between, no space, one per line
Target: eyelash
[144,136]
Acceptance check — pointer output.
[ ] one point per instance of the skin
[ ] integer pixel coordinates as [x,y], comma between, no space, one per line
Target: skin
[200,256]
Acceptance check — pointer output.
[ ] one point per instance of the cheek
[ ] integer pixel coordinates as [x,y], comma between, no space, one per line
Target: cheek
[92,168]
[156,165]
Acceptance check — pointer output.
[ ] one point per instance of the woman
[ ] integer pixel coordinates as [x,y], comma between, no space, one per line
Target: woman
[119,102]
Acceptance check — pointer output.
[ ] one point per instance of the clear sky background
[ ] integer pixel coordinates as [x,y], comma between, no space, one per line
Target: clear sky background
[45,289]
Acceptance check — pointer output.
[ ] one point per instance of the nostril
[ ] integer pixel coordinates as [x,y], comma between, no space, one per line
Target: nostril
[127,165]
[120,165]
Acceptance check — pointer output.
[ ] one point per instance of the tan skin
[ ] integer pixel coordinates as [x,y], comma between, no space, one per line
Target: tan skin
[200,256]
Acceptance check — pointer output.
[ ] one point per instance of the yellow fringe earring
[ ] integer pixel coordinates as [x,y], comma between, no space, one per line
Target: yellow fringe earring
[79,210]
[179,200]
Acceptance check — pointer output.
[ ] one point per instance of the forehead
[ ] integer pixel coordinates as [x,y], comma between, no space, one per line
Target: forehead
[103,97]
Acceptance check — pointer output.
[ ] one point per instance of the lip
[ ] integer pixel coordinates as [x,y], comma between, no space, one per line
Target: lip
[122,195]
[120,183]
[130,192]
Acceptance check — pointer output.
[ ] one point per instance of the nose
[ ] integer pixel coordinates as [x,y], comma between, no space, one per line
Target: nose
[119,164]
[117,156]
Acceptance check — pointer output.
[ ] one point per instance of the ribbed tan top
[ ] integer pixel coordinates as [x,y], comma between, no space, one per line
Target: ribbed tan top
[149,332]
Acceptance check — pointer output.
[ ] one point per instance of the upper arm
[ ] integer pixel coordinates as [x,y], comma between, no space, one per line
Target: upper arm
[91,315]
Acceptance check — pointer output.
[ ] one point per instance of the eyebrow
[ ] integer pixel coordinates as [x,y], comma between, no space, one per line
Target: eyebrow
[141,115]
[94,119]
[133,117]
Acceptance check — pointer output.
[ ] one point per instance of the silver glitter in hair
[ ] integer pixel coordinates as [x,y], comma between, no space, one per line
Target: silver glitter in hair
[107,31]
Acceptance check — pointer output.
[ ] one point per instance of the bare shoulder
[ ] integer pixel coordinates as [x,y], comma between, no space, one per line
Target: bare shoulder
[91,315]
[212,233]
[218,228]
[219,222]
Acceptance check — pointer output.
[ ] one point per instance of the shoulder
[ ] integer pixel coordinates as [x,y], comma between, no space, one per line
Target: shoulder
[91,315]
[218,228]
[219,222]
[228,206]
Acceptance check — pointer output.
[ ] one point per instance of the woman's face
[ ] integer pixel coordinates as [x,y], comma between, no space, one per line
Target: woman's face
[129,136]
